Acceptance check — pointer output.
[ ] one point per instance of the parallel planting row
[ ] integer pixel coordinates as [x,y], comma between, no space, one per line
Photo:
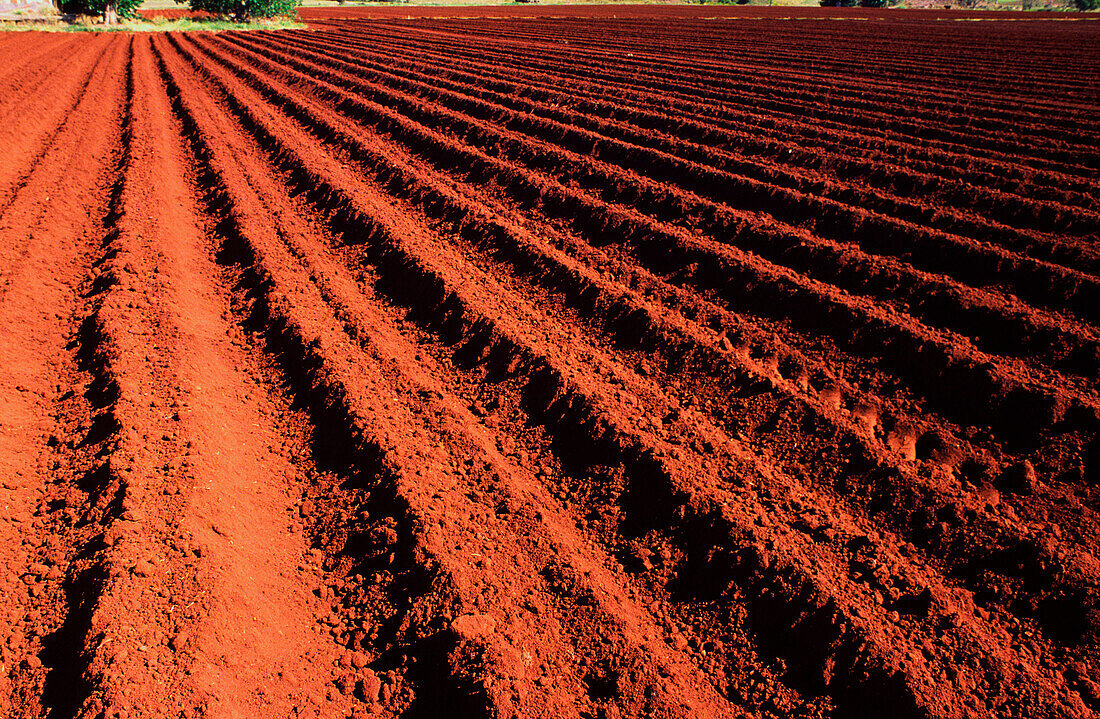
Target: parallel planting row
[570,368]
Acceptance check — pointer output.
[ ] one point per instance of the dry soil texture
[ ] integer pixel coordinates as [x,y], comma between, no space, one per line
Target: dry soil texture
[667,365]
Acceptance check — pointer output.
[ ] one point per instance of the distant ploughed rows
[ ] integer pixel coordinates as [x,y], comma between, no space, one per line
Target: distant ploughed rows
[563,367]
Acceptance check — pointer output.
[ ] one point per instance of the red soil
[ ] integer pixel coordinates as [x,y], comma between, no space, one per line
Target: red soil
[654,11]
[552,366]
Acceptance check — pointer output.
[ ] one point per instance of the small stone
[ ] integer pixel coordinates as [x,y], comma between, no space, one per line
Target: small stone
[989,495]
[143,568]
[369,686]
[39,570]
[469,626]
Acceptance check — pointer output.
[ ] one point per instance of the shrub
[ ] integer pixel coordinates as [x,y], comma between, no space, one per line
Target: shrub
[243,10]
[1087,4]
[123,8]
[837,3]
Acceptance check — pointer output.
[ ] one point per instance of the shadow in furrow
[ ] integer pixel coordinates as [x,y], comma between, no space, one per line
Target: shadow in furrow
[67,651]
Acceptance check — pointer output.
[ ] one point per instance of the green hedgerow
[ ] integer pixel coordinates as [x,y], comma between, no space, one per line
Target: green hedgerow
[124,8]
[244,10]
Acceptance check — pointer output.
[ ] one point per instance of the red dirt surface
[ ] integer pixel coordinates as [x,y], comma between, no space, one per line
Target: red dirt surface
[648,366]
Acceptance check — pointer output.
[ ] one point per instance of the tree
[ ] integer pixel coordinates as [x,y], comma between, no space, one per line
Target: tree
[837,3]
[1087,4]
[110,10]
[244,10]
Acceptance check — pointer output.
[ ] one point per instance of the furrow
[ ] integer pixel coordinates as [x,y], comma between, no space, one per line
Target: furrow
[870,435]
[51,428]
[42,118]
[365,371]
[859,322]
[784,126]
[515,337]
[729,147]
[23,53]
[552,362]
[191,597]
[997,325]
[647,37]
[794,123]
[975,263]
[661,77]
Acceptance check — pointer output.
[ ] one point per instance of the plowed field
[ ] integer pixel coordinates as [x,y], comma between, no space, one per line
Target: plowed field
[653,366]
